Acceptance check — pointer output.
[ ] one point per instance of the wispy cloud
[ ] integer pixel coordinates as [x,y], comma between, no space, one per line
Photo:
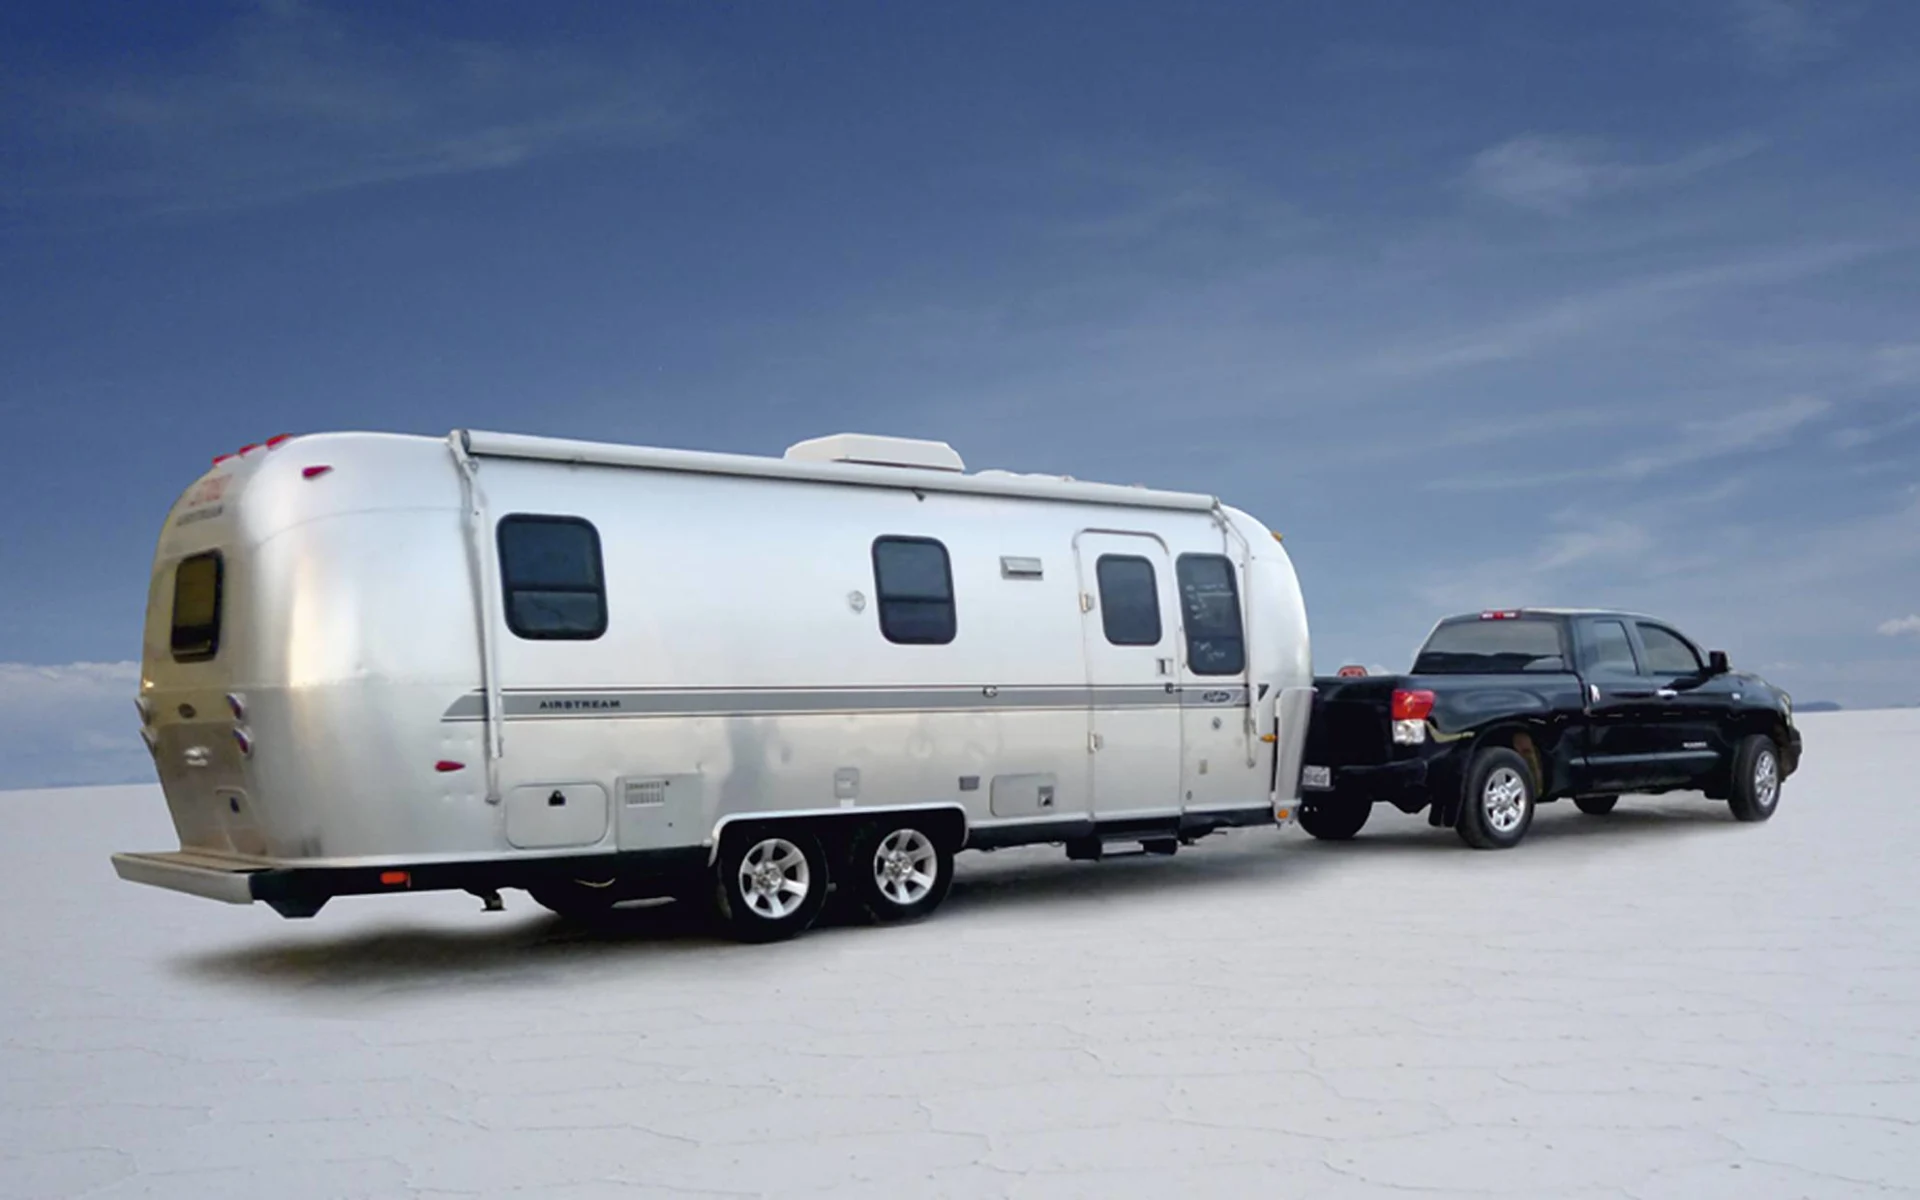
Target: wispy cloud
[1901,626]
[1558,174]
[1783,33]
[70,724]
[291,101]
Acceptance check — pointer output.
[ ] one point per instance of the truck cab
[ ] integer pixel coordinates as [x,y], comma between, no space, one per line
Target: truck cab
[1507,709]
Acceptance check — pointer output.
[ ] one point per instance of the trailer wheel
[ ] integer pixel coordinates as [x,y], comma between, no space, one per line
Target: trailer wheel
[1499,800]
[769,884]
[1595,806]
[1334,820]
[900,870]
[1756,779]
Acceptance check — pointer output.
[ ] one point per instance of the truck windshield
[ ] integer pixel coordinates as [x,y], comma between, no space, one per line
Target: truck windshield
[1492,647]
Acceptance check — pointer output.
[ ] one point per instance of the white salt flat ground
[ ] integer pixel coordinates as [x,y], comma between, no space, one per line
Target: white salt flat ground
[1662,1003]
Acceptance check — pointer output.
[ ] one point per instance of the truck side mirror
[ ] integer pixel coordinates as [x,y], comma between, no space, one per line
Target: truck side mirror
[1717,662]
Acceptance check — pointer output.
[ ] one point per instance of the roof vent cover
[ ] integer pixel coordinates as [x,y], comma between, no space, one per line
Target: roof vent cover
[873,450]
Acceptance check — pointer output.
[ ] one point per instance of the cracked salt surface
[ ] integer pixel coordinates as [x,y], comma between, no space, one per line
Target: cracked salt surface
[1656,1005]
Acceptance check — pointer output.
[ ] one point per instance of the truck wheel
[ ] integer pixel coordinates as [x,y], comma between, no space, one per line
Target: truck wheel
[1756,779]
[899,869]
[1595,806]
[1499,800]
[1334,821]
[769,884]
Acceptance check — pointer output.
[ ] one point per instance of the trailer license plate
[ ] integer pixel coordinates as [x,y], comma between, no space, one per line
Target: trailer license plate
[1318,778]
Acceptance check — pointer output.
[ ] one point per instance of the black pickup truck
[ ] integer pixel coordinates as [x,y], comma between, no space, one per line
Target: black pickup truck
[1505,710]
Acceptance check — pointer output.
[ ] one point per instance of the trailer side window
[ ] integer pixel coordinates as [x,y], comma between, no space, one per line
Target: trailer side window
[913,581]
[1129,600]
[196,607]
[551,573]
[1210,602]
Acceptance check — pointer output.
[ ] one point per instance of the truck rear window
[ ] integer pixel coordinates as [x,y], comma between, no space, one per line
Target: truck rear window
[196,608]
[1502,647]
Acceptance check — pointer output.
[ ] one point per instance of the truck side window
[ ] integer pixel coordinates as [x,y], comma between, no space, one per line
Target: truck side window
[1667,653]
[1608,649]
[551,573]
[1129,600]
[197,584]
[1210,602]
[913,582]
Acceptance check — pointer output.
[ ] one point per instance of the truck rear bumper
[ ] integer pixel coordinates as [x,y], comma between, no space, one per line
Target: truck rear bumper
[1397,781]
[301,891]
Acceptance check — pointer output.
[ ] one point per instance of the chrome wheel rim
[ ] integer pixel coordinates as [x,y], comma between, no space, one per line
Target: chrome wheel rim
[775,878]
[905,866]
[1504,799]
[1766,780]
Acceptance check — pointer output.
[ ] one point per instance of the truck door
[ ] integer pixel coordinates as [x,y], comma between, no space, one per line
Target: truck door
[1129,628]
[1621,710]
[1693,711]
[1219,770]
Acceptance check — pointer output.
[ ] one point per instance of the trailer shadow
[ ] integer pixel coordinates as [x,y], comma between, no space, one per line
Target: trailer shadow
[508,950]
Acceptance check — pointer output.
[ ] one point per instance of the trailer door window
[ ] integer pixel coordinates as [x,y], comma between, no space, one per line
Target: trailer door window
[1216,644]
[1129,600]
[914,582]
[551,572]
[196,607]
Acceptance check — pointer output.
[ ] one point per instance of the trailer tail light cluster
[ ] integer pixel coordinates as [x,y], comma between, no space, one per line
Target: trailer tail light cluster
[1411,708]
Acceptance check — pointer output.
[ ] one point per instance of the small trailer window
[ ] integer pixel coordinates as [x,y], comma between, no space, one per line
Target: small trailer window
[1216,644]
[914,583]
[196,607]
[551,573]
[1129,600]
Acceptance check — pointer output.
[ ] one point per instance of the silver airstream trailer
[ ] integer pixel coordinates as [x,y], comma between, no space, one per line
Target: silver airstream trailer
[380,663]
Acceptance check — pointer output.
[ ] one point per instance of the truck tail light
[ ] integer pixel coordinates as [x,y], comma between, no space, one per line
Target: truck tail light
[1411,708]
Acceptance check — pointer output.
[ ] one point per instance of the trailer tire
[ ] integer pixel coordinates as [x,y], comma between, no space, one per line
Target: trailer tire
[770,882]
[1334,820]
[1595,806]
[576,899]
[1499,800]
[900,869]
[1756,779]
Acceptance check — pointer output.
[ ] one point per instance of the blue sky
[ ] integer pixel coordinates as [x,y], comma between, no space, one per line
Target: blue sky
[1491,304]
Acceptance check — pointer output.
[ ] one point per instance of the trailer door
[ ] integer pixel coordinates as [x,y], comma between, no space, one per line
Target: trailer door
[1128,628]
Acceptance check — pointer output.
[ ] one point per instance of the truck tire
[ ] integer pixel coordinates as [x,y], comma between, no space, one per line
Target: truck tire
[770,882]
[899,869]
[1498,805]
[1595,806]
[1334,820]
[1756,779]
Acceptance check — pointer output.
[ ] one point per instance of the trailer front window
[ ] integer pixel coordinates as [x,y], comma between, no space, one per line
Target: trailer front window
[551,572]
[1216,643]
[196,607]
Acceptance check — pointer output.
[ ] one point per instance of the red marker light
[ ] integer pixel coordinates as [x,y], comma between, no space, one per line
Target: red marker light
[314,472]
[275,442]
[394,878]
[247,447]
[220,458]
[1412,705]
[445,765]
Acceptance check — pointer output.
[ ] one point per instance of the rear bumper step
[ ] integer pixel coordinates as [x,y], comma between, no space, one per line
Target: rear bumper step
[294,891]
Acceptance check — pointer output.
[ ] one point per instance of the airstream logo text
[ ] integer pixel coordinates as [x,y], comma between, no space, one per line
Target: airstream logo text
[576,705]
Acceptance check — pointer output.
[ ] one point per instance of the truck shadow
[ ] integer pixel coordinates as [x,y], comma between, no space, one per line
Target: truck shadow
[1558,824]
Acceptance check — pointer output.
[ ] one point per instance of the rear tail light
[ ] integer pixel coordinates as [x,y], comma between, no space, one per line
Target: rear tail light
[1411,708]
